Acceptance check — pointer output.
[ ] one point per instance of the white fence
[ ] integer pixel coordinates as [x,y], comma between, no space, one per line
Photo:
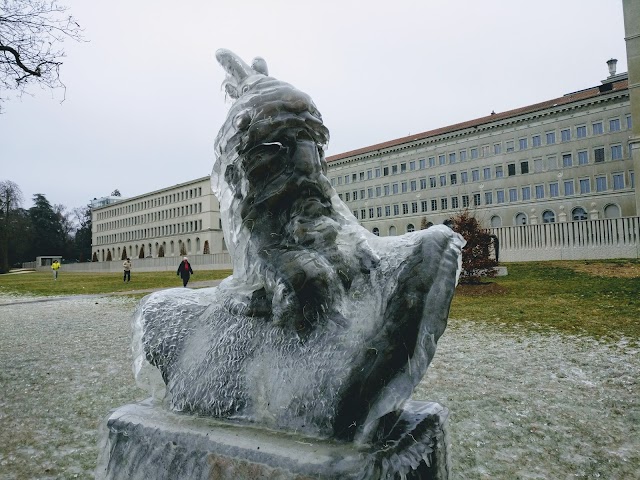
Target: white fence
[583,240]
[213,261]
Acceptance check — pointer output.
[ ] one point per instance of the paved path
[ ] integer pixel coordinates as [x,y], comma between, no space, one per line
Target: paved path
[194,285]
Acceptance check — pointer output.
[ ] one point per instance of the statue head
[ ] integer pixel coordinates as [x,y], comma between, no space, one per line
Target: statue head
[280,215]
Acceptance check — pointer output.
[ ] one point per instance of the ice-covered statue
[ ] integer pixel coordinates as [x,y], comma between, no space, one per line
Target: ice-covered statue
[324,329]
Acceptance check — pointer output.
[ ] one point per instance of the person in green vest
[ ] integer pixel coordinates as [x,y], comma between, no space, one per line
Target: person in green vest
[55,266]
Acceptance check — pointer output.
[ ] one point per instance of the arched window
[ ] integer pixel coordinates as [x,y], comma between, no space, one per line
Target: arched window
[224,245]
[172,247]
[411,228]
[496,221]
[150,251]
[376,231]
[392,231]
[578,214]
[612,211]
[197,244]
[521,219]
[548,217]
[189,246]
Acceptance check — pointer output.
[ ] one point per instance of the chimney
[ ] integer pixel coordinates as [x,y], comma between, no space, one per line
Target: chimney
[611,63]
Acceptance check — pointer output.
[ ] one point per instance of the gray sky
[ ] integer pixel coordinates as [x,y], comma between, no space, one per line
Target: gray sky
[144,104]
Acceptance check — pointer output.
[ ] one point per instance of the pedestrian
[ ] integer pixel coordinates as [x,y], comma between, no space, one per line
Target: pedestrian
[55,266]
[127,270]
[185,271]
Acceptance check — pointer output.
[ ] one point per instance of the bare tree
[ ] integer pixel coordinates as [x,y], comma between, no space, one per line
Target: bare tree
[10,200]
[31,37]
[66,219]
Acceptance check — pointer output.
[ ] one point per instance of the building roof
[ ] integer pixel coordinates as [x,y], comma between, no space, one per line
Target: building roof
[581,95]
[122,200]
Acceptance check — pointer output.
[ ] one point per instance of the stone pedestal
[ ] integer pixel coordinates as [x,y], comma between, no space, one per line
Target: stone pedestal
[143,441]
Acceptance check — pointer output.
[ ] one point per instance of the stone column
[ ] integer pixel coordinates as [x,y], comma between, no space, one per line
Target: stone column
[631,10]
[562,216]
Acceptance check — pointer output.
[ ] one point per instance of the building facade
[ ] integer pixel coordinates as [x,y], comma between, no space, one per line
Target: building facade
[567,162]
[566,159]
[183,218]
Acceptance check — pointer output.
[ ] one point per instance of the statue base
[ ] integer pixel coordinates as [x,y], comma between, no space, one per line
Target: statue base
[144,441]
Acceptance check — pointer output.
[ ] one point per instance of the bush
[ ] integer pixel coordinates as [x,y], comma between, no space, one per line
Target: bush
[109,256]
[141,254]
[94,258]
[124,253]
[206,250]
[183,249]
[477,261]
[161,251]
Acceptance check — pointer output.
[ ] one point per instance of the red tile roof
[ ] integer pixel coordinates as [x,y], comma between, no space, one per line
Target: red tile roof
[564,100]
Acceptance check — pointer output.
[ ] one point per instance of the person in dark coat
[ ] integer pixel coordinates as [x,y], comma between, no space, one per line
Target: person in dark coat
[185,271]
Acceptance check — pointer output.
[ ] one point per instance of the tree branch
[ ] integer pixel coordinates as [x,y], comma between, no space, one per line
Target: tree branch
[16,55]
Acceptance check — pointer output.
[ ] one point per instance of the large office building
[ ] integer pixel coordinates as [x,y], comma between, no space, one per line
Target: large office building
[183,218]
[558,162]
[568,159]
[565,159]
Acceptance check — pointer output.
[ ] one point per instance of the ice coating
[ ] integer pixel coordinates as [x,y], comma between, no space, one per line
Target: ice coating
[324,328]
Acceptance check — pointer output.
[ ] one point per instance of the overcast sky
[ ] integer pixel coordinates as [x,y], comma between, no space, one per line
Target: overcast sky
[143,102]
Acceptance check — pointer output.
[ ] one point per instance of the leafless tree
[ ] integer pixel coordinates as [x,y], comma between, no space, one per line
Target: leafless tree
[66,219]
[10,200]
[31,37]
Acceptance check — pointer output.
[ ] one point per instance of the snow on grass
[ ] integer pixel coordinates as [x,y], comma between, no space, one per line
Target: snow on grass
[526,405]
[65,364]
[522,405]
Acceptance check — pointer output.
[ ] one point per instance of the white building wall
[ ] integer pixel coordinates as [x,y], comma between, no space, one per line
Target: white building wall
[434,178]
[186,215]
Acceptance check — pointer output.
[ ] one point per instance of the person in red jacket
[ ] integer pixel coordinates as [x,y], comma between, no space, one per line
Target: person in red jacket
[185,271]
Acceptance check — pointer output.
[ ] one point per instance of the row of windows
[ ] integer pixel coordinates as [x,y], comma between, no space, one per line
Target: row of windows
[486,173]
[548,216]
[117,253]
[567,187]
[566,135]
[185,210]
[151,203]
[173,229]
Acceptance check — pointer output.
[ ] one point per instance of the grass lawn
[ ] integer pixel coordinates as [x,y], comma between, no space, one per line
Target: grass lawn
[72,283]
[598,298]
